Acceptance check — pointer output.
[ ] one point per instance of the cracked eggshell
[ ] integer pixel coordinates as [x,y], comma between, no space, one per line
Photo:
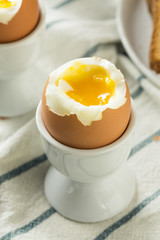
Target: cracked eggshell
[22,23]
[71,132]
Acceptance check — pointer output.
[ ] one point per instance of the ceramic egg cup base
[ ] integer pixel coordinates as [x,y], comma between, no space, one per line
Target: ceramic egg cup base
[90,202]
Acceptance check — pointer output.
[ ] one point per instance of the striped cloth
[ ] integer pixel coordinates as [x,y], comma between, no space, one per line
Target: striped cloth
[80,28]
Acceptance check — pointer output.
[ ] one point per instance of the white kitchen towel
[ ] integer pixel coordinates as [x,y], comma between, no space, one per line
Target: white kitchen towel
[80,28]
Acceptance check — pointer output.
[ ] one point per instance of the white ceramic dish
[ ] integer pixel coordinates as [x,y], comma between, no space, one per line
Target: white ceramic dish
[135,29]
[88,185]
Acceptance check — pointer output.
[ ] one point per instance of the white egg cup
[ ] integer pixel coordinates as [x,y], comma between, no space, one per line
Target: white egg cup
[88,185]
[19,73]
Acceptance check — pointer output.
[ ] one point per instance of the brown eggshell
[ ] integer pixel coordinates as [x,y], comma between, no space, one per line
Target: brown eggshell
[22,23]
[71,132]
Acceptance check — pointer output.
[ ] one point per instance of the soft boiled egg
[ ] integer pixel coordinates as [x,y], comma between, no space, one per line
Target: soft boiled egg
[86,103]
[17,19]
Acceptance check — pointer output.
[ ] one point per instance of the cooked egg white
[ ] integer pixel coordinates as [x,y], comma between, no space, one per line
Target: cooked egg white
[85,87]
[8,9]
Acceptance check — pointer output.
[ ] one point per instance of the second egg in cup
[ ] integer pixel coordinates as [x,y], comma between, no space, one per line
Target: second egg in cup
[22,35]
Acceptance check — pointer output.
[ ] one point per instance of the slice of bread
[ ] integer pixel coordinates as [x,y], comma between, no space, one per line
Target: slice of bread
[154,55]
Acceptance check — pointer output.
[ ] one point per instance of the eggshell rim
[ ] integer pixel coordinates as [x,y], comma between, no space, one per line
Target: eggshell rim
[9,13]
[32,34]
[43,131]
[58,95]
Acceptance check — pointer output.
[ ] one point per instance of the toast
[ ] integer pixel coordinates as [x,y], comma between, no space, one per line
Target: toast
[154,55]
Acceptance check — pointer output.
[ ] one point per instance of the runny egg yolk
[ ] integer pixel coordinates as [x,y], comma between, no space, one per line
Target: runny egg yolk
[91,84]
[7,3]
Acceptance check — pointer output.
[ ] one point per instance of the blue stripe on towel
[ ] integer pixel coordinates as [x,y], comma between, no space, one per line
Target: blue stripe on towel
[141,77]
[26,228]
[128,216]
[23,168]
[144,143]
[137,92]
[50,24]
[66,2]
[92,50]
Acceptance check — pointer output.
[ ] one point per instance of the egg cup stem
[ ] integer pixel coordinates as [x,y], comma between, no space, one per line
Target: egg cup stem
[90,202]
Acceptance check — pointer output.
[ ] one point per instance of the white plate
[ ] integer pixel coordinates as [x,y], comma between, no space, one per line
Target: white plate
[135,29]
